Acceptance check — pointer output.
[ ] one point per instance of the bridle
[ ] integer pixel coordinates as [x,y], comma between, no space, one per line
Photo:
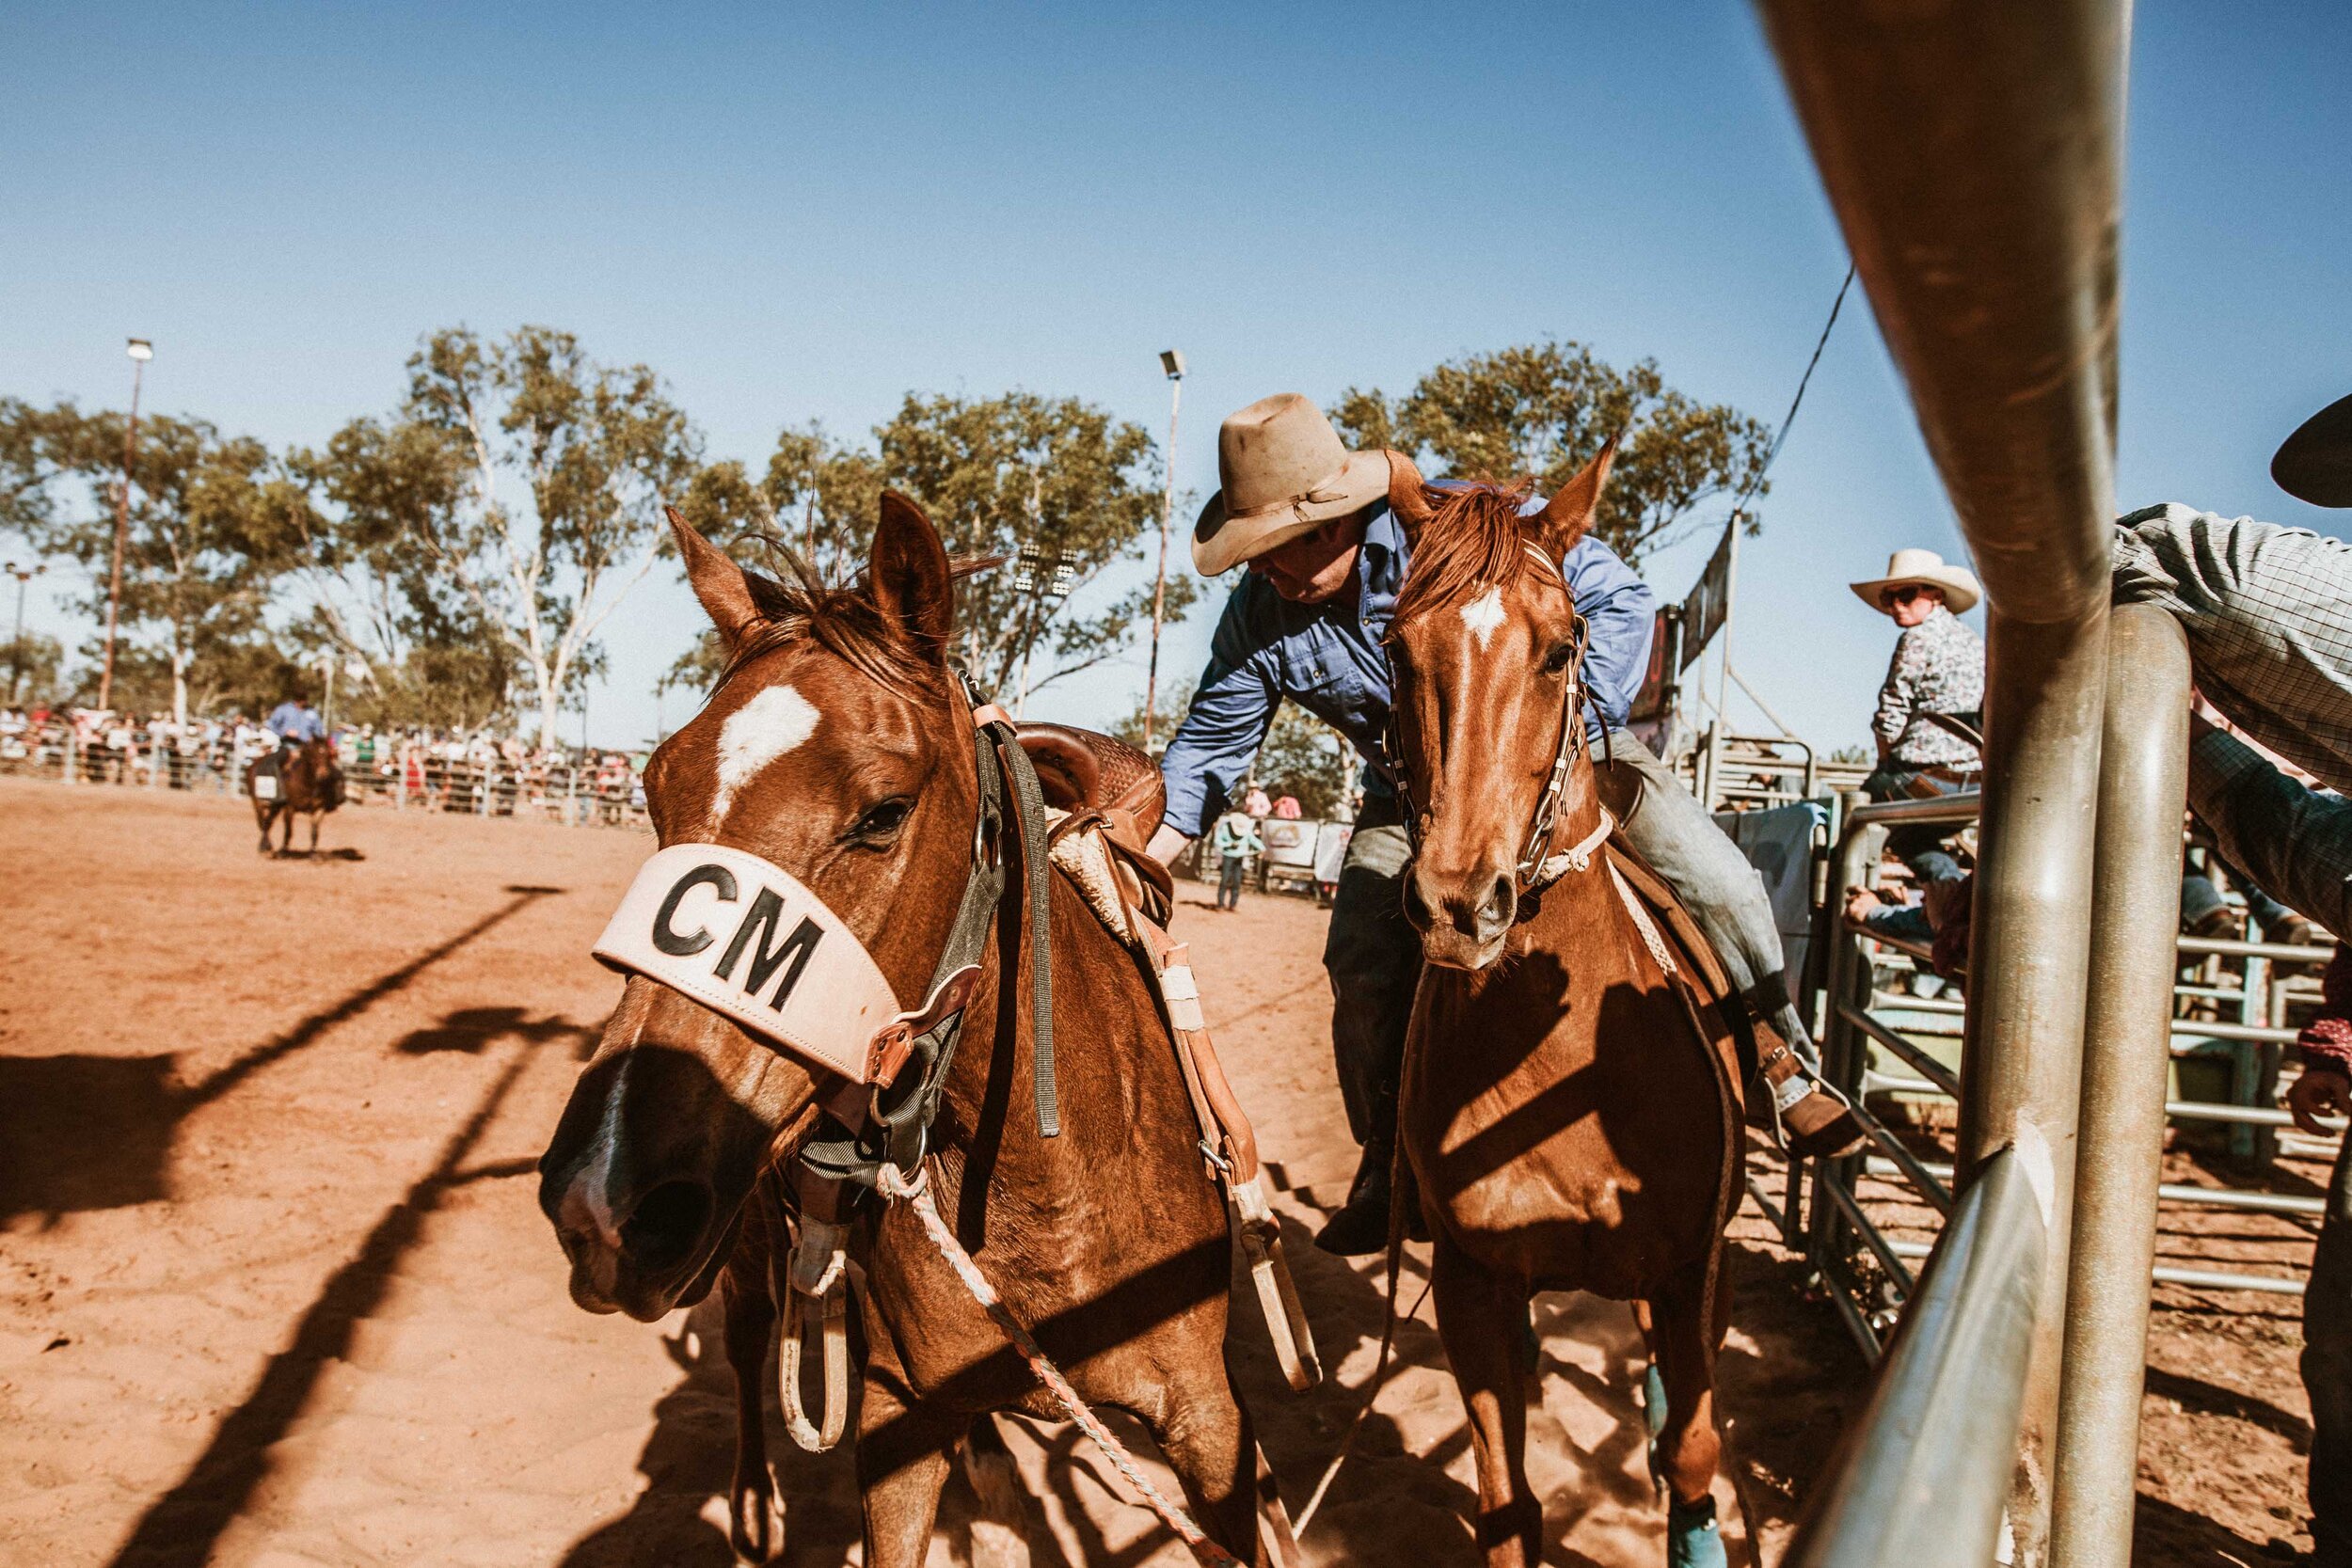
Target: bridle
[897,1119]
[834,1010]
[1537,865]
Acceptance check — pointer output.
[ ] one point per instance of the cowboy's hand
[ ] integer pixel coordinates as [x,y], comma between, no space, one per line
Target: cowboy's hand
[2322,1091]
[1167,843]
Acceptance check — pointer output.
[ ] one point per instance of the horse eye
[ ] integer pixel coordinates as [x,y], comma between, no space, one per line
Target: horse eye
[1559,658]
[883,818]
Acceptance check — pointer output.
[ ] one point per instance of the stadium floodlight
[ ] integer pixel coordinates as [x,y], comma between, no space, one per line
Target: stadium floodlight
[142,350]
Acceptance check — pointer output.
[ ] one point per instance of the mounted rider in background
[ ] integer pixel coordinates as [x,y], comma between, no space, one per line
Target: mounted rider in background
[1326,560]
[295,722]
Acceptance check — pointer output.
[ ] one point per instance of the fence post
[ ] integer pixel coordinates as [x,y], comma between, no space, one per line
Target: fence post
[2143,778]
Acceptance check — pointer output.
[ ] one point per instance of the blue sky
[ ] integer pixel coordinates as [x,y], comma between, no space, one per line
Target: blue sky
[798,211]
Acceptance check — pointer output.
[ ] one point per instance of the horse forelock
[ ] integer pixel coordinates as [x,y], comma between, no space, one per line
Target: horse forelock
[1475,542]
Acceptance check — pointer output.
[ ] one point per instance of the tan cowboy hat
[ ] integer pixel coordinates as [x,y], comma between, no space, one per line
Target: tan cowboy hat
[1907,567]
[2314,464]
[1282,470]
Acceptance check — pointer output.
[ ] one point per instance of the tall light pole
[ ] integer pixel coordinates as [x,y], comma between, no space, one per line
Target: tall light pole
[141,351]
[1172,361]
[16,649]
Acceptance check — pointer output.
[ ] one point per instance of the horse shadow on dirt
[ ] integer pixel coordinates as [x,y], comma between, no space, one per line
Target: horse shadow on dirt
[319,857]
[182,1527]
[82,1131]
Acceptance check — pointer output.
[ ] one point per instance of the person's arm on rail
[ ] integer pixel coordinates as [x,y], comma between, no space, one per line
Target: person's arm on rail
[1621,614]
[1231,709]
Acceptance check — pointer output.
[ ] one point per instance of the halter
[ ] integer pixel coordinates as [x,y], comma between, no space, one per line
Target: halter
[832,1008]
[1537,866]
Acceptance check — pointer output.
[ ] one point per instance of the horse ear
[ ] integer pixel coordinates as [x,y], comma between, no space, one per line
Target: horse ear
[718,582]
[1569,516]
[913,586]
[1409,498]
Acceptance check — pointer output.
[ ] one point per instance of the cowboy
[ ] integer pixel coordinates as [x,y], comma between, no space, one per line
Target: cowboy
[1311,521]
[1934,681]
[292,722]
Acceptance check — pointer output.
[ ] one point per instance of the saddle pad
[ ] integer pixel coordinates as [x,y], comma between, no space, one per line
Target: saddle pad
[1084,858]
[265,786]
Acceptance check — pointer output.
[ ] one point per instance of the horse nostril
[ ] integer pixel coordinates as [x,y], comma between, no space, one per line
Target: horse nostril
[1416,906]
[666,1226]
[1499,903]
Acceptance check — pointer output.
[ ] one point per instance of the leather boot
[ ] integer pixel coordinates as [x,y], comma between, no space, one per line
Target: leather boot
[1813,1123]
[1361,1225]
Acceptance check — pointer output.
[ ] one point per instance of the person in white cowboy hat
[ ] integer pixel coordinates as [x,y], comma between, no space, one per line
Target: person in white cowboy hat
[1938,669]
[1311,521]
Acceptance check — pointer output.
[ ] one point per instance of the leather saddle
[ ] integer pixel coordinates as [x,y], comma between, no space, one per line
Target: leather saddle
[1099,780]
[1083,771]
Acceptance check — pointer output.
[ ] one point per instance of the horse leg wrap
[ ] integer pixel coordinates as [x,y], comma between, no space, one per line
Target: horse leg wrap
[813,1295]
[1278,1294]
[1693,1539]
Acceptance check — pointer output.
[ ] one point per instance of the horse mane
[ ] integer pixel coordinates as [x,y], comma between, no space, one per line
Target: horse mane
[1473,540]
[799,604]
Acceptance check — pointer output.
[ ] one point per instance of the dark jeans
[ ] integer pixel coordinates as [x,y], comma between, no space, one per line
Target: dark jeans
[1920,846]
[1373,957]
[1229,873]
[2327,1371]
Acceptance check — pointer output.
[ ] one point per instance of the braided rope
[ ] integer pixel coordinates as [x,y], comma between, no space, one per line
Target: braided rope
[916,1194]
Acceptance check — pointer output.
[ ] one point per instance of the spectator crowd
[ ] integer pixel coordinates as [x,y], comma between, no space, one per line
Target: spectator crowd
[477,771]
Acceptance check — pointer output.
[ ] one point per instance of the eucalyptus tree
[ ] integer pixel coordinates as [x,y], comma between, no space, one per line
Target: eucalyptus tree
[1542,408]
[526,482]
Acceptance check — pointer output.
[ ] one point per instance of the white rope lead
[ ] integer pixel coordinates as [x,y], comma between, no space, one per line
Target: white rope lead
[916,1194]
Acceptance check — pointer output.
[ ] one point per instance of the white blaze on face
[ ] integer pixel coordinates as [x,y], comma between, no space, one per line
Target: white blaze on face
[772,723]
[1482,616]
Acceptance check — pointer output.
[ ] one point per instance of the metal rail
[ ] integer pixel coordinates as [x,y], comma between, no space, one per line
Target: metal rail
[1925,1470]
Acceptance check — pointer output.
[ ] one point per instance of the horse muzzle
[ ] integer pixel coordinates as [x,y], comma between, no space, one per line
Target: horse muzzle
[1464,921]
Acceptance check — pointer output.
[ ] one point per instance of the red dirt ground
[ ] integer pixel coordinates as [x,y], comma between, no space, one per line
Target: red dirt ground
[274,1289]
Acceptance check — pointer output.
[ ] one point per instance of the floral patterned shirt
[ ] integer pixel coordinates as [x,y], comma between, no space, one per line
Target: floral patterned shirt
[1938,668]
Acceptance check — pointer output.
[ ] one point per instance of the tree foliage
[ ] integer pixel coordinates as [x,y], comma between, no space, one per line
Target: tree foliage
[998,476]
[1543,409]
[207,519]
[527,480]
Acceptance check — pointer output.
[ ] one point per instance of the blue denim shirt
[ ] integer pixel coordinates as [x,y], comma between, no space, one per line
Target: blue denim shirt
[1327,658]
[289,722]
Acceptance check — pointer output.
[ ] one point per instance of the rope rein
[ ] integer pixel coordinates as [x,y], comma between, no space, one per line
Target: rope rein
[916,1194]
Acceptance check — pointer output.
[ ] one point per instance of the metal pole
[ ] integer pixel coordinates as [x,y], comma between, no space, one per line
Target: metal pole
[123,528]
[1971,153]
[1174,361]
[2143,776]
[23,575]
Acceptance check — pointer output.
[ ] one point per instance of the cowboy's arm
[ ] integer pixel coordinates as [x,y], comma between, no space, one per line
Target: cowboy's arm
[1621,614]
[1231,709]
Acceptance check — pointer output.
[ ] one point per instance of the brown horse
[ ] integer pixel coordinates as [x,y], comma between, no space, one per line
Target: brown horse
[1570,1113]
[309,781]
[840,746]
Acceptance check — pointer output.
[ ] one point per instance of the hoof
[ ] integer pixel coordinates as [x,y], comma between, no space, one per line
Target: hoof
[1693,1538]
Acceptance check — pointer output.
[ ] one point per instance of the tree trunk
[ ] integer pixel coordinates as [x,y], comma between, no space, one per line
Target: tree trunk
[179,688]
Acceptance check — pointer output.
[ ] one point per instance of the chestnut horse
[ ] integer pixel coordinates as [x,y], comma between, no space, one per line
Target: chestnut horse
[840,746]
[1570,1112]
[309,781]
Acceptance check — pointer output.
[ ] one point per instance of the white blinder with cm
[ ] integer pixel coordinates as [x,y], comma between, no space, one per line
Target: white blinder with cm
[749,941]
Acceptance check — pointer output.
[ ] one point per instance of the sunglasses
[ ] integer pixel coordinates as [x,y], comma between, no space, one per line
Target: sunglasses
[1904,595]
